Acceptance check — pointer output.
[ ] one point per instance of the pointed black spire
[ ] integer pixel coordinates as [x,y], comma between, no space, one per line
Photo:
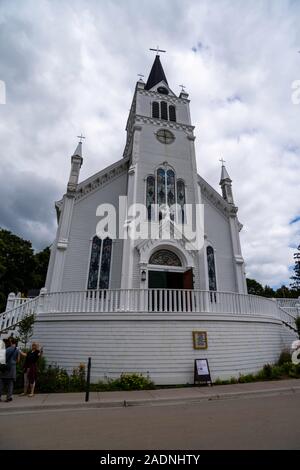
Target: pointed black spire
[157,74]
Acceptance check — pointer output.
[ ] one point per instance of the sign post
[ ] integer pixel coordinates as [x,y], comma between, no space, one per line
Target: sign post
[202,372]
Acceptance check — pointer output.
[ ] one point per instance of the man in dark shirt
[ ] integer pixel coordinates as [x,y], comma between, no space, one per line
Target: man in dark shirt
[9,376]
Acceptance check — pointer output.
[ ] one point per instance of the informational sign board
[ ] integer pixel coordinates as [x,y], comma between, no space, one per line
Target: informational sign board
[202,372]
[200,339]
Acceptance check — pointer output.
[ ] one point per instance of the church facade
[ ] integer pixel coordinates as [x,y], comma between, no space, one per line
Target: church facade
[158,169]
[152,304]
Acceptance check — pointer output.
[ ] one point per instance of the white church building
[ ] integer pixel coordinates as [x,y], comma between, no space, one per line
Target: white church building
[152,304]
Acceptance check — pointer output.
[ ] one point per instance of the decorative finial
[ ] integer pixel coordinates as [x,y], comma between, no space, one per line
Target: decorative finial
[223,161]
[140,75]
[80,137]
[157,50]
[182,88]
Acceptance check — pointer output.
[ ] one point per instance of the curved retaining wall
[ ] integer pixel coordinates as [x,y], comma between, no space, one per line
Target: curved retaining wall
[161,345]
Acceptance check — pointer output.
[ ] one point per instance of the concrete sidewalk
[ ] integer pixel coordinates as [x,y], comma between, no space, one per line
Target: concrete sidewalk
[65,401]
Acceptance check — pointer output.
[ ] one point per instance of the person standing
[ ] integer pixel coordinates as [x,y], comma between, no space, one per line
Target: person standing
[30,369]
[8,377]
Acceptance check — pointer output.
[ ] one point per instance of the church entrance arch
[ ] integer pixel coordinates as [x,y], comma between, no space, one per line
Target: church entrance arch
[167,271]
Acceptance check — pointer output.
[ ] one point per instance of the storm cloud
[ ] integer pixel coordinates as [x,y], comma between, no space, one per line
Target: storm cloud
[71,67]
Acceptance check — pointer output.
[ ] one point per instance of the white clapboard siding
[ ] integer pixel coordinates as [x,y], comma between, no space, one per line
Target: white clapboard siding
[162,348]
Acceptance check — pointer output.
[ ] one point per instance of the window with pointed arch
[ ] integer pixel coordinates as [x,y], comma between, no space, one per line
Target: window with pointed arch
[100,262]
[164,190]
[211,267]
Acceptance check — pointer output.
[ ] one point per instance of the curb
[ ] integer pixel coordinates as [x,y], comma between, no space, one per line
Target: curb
[149,401]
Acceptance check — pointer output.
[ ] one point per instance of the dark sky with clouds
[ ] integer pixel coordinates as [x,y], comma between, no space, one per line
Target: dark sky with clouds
[71,67]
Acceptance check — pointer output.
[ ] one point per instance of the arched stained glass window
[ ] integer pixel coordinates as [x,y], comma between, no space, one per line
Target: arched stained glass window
[212,281]
[165,257]
[164,110]
[155,109]
[94,263]
[181,200]
[172,113]
[170,187]
[164,190]
[100,261]
[161,186]
[105,264]
[150,196]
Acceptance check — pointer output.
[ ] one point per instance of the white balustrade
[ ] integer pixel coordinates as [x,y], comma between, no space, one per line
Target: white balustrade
[144,300]
[291,306]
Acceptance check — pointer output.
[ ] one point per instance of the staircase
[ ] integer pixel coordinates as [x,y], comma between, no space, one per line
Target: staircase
[16,310]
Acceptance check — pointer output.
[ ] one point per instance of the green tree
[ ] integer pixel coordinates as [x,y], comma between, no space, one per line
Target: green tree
[41,261]
[268,292]
[25,329]
[254,287]
[20,268]
[285,292]
[295,285]
[16,265]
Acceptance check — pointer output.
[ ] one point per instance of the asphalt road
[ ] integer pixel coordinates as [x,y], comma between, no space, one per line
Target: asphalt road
[241,423]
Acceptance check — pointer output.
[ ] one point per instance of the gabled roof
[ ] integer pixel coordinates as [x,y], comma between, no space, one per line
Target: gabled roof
[157,74]
[215,198]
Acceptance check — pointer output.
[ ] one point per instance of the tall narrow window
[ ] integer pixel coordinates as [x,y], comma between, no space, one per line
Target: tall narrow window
[212,281]
[170,187]
[155,109]
[105,264]
[94,263]
[99,269]
[161,187]
[150,196]
[164,110]
[181,200]
[172,113]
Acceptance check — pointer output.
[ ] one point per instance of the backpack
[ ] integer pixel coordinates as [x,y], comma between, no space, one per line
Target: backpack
[5,367]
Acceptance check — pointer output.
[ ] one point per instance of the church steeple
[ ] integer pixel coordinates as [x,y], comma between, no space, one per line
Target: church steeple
[76,162]
[156,75]
[225,183]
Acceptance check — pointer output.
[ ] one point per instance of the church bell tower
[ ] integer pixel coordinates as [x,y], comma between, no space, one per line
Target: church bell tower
[160,149]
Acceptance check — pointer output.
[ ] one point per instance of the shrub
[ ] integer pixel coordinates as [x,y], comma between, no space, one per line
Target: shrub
[134,382]
[284,357]
[124,382]
[77,379]
[233,380]
[246,378]
[54,379]
[267,371]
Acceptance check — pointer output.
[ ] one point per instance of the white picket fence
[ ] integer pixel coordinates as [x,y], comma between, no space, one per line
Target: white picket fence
[142,300]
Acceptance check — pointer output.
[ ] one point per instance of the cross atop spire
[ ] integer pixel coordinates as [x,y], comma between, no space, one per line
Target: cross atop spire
[80,137]
[157,73]
[223,161]
[157,50]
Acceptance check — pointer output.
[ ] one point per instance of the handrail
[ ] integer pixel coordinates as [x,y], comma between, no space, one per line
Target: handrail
[146,300]
[12,317]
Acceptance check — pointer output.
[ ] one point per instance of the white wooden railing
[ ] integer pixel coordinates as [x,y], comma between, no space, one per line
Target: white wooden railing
[291,306]
[144,300]
[12,317]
